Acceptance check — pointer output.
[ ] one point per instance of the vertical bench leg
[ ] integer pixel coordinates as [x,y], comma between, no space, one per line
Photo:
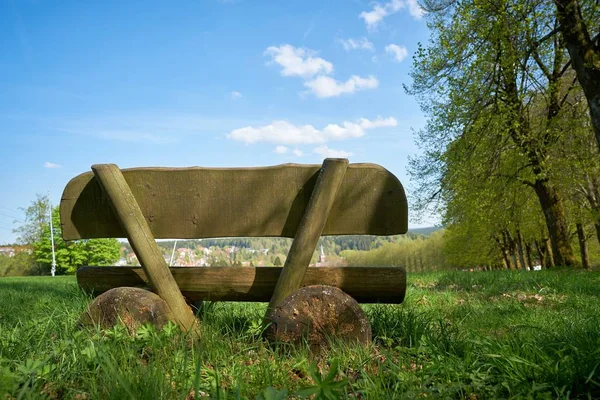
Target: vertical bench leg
[142,241]
[310,229]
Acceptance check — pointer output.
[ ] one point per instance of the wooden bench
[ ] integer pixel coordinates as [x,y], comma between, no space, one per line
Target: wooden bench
[291,200]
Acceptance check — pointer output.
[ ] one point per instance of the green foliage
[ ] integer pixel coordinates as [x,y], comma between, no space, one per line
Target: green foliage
[418,253]
[36,219]
[506,152]
[72,255]
[271,393]
[21,264]
[35,232]
[325,386]
[265,251]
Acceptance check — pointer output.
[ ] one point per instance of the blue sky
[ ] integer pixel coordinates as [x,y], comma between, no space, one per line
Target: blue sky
[205,82]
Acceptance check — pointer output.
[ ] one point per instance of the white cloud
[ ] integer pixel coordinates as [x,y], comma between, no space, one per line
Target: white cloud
[298,62]
[325,86]
[277,132]
[399,52]
[357,44]
[374,17]
[378,123]
[414,9]
[326,152]
[236,95]
[301,62]
[48,164]
[286,150]
[285,133]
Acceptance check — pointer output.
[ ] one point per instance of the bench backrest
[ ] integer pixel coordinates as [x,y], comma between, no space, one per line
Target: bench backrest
[196,202]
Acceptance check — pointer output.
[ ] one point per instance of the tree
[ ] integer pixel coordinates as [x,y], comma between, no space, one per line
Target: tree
[74,254]
[492,86]
[35,232]
[36,219]
[20,264]
[575,17]
[277,262]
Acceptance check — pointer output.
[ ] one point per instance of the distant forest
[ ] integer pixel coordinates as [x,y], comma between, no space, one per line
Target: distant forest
[331,244]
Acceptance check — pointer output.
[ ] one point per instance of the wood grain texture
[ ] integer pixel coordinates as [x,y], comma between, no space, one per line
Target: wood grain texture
[200,202]
[138,233]
[309,230]
[365,284]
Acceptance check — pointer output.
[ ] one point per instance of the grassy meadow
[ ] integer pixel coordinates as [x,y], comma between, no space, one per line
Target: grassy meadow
[458,335]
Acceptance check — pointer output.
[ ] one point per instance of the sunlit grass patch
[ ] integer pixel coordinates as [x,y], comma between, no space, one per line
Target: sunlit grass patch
[458,335]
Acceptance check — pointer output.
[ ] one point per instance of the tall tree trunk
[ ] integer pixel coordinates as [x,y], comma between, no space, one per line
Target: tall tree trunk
[512,246]
[506,246]
[514,253]
[505,262]
[592,194]
[554,213]
[407,264]
[549,256]
[585,257]
[542,252]
[520,250]
[536,150]
[528,252]
[585,56]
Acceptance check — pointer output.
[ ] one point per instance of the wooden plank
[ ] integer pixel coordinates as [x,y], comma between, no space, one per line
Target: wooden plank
[138,233]
[364,284]
[236,202]
[309,231]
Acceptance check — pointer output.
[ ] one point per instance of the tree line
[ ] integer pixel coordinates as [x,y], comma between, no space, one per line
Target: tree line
[511,89]
[35,233]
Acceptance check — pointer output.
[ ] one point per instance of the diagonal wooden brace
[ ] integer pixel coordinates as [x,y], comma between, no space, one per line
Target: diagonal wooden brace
[310,229]
[143,243]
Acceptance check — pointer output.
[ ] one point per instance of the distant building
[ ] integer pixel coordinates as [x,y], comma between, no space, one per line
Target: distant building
[322,260]
[11,251]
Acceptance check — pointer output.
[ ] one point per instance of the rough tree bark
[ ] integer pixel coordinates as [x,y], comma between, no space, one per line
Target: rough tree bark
[555,215]
[542,253]
[585,56]
[520,250]
[528,253]
[549,255]
[502,249]
[585,256]
[507,252]
[592,194]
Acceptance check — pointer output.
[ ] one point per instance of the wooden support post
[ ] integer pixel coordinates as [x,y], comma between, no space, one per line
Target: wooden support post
[143,243]
[310,229]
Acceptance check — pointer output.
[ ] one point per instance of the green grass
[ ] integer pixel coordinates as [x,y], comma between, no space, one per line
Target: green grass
[458,335]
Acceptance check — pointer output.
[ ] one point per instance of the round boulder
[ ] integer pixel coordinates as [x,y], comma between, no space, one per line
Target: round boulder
[317,313]
[129,306]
